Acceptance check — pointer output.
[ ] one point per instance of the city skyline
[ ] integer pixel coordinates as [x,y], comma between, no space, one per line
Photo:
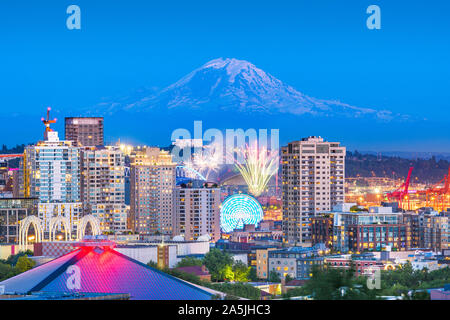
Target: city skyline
[241,150]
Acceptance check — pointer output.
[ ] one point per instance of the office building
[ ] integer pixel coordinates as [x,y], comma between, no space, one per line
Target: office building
[152,181]
[313,174]
[375,230]
[103,187]
[197,211]
[85,131]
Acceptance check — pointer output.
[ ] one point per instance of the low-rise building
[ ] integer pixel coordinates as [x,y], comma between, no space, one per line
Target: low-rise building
[297,262]
[370,231]
[262,262]
[362,264]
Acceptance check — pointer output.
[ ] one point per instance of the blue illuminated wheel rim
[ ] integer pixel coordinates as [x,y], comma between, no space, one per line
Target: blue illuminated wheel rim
[239,209]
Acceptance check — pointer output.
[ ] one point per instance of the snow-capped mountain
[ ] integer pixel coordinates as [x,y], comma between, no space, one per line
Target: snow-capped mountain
[237,86]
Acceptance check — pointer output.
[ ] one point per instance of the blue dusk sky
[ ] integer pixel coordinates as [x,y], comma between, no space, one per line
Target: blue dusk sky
[320,47]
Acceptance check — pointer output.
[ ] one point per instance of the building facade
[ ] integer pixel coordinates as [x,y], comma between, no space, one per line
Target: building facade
[197,212]
[262,262]
[434,232]
[374,230]
[313,175]
[103,187]
[362,265]
[52,174]
[297,262]
[85,131]
[152,182]
[322,230]
[13,210]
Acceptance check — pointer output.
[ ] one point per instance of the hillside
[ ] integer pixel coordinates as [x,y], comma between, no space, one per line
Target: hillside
[366,165]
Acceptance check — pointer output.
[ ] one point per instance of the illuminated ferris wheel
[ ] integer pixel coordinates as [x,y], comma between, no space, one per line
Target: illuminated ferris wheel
[238,210]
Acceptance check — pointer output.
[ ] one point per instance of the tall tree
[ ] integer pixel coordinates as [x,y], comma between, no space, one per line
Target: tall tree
[216,261]
[241,271]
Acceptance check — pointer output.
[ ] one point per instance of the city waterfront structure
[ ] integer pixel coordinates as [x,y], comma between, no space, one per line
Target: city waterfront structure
[313,176]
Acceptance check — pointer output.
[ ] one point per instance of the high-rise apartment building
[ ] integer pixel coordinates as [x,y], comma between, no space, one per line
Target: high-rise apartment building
[197,211]
[152,181]
[103,187]
[85,131]
[52,175]
[313,175]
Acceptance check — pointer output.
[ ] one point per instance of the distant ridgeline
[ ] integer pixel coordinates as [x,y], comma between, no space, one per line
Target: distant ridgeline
[14,150]
[367,165]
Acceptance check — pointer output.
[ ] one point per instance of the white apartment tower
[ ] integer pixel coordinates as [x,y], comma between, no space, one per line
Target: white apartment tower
[313,175]
[52,174]
[197,212]
[103,187]
[152,181]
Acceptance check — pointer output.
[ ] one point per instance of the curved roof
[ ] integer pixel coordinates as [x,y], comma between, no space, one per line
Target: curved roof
[104,270]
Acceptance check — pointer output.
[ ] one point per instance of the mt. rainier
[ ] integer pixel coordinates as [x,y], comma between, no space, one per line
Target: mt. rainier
[237,86]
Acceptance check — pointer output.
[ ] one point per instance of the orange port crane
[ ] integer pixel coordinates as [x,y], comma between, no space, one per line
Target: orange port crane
[401,193]
[439,194]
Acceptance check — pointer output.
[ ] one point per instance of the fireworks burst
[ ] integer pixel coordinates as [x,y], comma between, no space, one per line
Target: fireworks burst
[207,160]
[258,166]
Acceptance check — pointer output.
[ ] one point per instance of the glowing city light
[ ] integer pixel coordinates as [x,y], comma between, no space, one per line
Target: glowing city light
[207,160]
[259,165]
[239,209]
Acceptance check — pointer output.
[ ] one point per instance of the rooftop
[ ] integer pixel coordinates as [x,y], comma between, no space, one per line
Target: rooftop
[101,269]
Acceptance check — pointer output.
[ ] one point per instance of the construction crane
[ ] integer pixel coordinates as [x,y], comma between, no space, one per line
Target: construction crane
[401,193]
[11,156]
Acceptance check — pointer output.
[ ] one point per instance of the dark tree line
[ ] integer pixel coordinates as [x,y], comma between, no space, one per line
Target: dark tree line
[367,165]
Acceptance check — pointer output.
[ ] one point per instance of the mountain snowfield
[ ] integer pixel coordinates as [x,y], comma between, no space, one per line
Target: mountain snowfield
[237,86]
